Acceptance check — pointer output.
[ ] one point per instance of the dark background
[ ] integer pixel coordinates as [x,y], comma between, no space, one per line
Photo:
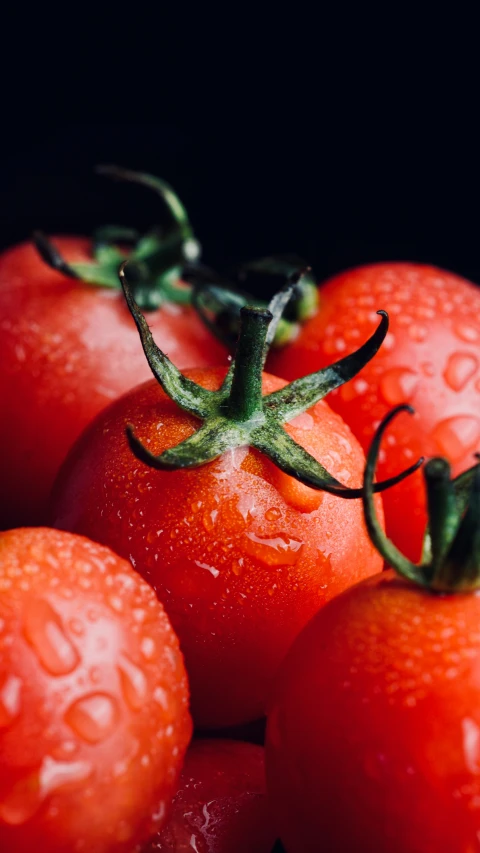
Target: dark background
[341,142]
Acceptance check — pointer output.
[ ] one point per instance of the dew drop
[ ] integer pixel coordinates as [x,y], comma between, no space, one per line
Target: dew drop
[279,550]
[460,368]
[273,514]
[44,631]
[466,332]
[360,386]
[93,717]
[148,648]
[303,421]
[427,368]
[237,567]
[213,571]
[55,774]
[160,697]
[9,700]
[456,436]
[398,385]
[76,627]
[417,333]
[134,683]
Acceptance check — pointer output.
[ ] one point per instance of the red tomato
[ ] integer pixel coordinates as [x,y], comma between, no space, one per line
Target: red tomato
[374,729]
[240,554]
[66,350]
[221,806]
[430,358]
[94,716]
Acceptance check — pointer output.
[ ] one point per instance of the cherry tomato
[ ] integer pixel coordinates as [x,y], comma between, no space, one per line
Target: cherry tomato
[66,350]
[374,729]
[221,805]
[240,554]
[430,358]
[94,718]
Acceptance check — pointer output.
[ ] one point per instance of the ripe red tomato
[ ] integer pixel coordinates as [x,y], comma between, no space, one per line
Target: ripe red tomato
[66,350]
[94,718]
[221,805]
[240,554]
[430,358]
[374,730]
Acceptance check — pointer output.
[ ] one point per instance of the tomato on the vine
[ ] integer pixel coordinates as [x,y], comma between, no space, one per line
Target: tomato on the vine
[240,552]
[374,725]
[94,719]
[68,346]
[430,359]
[221,804]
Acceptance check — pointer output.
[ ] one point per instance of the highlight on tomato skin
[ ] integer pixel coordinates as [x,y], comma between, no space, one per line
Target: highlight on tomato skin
[221,804]
[94,720]
[430,359]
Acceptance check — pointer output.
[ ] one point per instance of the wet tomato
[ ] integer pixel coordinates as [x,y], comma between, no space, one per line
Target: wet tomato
[94,718]
[241,554]
[221,805]
[66,350]
[430,358]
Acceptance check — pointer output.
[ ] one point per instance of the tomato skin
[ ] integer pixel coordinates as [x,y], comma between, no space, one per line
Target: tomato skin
[67,349]
[430,359]
[94,719]
[374,726]
[240,554]
[221,804]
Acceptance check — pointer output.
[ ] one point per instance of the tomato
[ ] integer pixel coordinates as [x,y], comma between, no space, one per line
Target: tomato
[374,725]
[240,554]
[221,805]
[66,350]
[94,718]
[373,732]
[430,358]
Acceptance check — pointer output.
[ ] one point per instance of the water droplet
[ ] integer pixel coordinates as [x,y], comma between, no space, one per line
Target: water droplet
[398,385]
[460,368]
[26,796]
[148,648]
[134,683]
[65,750]
[76,627]
[209,519]
[9,700]
[237,567]
[273,514]
[456,436]
[466,332]
[360,386]
[417,333]
[471,745]
[55,774]
[44,631]
[93,717]
[213,571]
[160,697]
[278,550]
[303,421]
[116,603]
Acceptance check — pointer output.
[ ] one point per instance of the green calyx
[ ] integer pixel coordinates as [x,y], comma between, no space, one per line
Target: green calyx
[238,414]
[218,300]
[156,259]
[451,549]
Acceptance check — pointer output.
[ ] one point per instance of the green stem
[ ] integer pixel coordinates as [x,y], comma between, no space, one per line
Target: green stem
[245,398]
[442,512]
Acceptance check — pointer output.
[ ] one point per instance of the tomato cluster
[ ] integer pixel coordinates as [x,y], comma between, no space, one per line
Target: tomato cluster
[215,549]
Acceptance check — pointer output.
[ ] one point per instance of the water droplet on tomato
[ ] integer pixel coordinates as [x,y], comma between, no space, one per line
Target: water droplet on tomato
[466,332]
[457,436]
[213,571]
[278,550]
[398,385]
[237,567]
[360,386]
[148,648]
[116,603]
[134,683]
[209,519]
[10,691]
[273,514]
[27,794]
[303,421]
[44,631]
[460,368]
[417,333]
[55,774]
[76,627]
[427,368]
[93,717]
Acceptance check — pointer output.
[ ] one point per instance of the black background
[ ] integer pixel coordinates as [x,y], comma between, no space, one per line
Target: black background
[337,140]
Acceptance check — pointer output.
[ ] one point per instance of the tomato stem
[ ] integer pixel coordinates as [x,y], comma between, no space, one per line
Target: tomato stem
[157,257]
[451,552]
[237,415]
[245,398]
